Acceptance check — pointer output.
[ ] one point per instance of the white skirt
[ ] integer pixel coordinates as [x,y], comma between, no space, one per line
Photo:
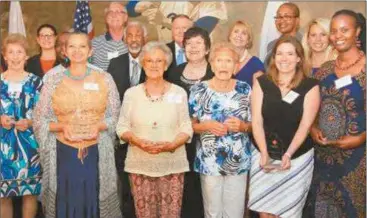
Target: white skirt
[281,193]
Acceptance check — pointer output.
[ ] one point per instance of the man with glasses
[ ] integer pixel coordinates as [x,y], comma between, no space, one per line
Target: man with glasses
[111,45]
[287,22]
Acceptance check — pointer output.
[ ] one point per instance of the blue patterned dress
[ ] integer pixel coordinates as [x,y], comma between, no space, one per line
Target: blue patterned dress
[20,166]
[339,183]
[229,154]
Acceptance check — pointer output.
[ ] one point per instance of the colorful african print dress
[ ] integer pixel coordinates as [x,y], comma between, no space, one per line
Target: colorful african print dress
[20,172]
[339,184]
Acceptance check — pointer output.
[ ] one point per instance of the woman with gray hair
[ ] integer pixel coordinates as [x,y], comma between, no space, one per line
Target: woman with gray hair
[155,122]
[220,111]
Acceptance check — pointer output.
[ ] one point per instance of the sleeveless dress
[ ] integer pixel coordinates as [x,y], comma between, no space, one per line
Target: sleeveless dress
[282,193]
[20,164]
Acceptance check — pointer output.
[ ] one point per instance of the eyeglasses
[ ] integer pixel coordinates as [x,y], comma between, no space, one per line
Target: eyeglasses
[151,62]
[46,36]
[285,17]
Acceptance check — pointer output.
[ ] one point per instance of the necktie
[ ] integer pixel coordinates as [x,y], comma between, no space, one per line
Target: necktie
[134,77]
[180,57]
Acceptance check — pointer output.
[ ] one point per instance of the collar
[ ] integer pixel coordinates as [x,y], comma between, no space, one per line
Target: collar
[177,47]
[131,58]
[108,36]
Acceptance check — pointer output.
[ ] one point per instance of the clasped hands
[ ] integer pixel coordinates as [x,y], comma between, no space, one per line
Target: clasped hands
[344,142]
[285,165]
[152,147]
[8,122]
[232,124]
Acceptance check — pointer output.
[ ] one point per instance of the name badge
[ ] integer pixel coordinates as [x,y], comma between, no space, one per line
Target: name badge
[344,81]
[290,97]
[91,86]
[14,87]
[111,55]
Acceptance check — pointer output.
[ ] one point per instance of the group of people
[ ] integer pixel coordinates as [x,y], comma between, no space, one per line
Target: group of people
[118,126]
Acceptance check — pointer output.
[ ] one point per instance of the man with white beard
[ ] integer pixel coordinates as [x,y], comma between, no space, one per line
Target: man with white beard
[127,72]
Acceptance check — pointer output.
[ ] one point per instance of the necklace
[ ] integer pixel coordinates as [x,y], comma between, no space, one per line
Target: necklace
[244,56]
[337,64]
[150,98]
[68,74]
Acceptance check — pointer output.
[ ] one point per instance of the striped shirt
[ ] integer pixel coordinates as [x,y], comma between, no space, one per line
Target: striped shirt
[105,48]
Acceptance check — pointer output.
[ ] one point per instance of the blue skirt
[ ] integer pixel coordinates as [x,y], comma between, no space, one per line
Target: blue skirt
[77,183]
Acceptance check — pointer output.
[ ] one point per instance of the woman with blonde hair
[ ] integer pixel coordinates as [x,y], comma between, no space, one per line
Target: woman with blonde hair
[316,44]
[240,35]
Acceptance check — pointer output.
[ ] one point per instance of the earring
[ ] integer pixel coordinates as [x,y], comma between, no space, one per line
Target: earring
[66,60]
[90,59]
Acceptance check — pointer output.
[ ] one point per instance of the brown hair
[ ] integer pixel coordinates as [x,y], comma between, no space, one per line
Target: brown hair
[248,30]
[302,67]
[15,38]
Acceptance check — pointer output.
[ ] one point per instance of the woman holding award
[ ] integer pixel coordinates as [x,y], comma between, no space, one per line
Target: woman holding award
[154,121]
[20,170]
[340,130]
[284,105]
[74,123]
[220,111]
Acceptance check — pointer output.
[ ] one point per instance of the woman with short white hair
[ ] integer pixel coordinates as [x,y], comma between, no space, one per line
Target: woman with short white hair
[154,121]
[220,111]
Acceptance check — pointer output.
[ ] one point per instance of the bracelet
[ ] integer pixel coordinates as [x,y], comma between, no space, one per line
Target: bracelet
[287,155]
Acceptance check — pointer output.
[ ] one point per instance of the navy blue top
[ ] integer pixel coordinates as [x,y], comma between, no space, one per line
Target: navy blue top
[251,67]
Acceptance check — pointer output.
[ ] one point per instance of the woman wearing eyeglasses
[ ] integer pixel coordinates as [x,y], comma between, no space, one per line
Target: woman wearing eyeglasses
[47,58]
[154,121]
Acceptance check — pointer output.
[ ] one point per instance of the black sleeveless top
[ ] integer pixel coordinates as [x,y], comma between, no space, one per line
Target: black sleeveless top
[281,119]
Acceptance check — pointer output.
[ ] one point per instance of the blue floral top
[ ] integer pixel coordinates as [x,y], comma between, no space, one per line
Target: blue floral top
[221,155]
[19,158]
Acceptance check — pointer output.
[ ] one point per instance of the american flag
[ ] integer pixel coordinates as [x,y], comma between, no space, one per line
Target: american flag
[83,19]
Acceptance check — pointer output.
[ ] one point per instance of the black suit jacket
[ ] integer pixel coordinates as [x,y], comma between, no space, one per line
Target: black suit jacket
[171,46]
[119,70]
[34,65]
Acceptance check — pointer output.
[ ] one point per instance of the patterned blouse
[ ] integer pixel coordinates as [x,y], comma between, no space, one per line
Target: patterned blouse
[221,155]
